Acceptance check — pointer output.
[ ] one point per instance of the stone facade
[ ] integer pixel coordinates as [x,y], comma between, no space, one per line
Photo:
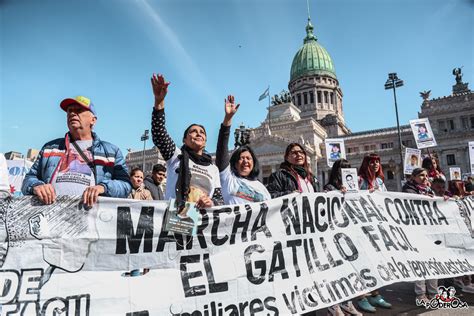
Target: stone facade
[152,157]
[315,112]
[312,111]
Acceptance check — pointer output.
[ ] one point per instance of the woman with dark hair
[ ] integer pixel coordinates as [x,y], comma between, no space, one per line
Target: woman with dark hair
[335,184]
[418,183]
[139,192]
[335,177]
[431,164]
[191,175]
[294,174]
[239,176]
[371,174]
[371,178]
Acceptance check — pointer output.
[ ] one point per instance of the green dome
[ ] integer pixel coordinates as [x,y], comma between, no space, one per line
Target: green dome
[312,58]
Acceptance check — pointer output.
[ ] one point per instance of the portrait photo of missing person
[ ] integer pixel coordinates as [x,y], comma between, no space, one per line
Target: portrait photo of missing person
[413,160]
[335,153]
[350,182]
[422,132]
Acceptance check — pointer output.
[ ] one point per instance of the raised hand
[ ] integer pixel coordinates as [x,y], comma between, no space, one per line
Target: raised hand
[160,88]
[230,109]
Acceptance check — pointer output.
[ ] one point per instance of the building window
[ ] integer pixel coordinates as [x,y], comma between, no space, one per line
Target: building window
[407,142]
[319,97]
[387,145]
[332,98]
[349,150]
[372,147]
[465,122]
[442,126]
[450,159]
[366,148]
[305,98]
[472,121]
[451,124]
[390,175]
[325,97]
[299,99]
[311,97]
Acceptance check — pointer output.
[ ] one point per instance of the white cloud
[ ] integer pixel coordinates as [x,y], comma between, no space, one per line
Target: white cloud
[186,66]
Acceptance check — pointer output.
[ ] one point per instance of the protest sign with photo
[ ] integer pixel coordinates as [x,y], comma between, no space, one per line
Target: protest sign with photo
[184,221]
[350,179]
[423,133]
[471,156]
[285,256]
[455,173]
[335,150]
[412,160]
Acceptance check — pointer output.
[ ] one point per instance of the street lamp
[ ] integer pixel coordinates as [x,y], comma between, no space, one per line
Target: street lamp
[242,136]
[394,82]
[144,139]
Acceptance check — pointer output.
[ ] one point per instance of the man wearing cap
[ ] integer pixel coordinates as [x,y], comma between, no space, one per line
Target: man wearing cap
[79,163]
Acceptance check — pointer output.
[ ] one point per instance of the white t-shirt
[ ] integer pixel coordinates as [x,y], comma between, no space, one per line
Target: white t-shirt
[73,175]
[204,179]
[237,190]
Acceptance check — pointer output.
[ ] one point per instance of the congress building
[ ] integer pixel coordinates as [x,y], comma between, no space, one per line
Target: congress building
[312,110]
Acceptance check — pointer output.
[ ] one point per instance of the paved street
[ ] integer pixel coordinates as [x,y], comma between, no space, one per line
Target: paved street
[402,297]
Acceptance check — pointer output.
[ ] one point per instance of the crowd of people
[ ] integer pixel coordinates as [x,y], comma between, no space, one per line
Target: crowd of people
[80,163]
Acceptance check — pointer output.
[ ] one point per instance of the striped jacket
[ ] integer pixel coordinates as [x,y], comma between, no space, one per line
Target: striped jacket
[110,168]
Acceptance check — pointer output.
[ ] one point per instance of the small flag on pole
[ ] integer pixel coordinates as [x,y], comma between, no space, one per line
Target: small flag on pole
[264,94]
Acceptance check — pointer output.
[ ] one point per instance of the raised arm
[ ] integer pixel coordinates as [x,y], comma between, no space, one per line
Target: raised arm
[222,153]
[160,136]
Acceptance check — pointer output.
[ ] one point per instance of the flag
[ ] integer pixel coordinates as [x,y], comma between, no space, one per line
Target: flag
[264,94]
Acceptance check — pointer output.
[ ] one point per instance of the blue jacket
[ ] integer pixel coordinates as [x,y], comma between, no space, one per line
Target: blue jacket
[110,168]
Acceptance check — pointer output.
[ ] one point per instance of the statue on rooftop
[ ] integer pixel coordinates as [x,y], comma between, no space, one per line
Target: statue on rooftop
[458,74]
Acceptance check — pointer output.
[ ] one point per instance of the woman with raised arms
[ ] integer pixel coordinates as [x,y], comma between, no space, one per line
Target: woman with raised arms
[239,176]
[191,175]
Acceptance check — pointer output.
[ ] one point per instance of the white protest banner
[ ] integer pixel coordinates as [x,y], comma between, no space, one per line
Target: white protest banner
[335,150]
[412,160]
[455,173]
[471,156]
[284,256]
[423,133]
[17,169]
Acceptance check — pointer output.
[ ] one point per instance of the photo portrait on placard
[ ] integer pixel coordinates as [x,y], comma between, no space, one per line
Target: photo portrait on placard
[350,179]
[423,133]
[412,160]
[455,173]
[334,150]
[182,221]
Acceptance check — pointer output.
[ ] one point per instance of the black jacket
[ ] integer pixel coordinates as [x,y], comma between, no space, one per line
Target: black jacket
[282,182]
[412,187]
[156,191]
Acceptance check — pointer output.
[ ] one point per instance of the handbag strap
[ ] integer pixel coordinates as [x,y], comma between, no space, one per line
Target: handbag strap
[86,159]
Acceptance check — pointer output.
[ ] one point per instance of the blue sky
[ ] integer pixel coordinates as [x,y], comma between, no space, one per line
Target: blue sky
[107,50]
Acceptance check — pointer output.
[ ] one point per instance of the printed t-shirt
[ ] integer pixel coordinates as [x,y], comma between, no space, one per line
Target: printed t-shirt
[237,190]
[73,175]
[204,179]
